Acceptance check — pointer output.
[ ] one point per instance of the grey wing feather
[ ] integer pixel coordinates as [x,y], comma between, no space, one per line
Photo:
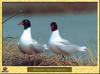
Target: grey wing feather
[20,48]
[65,42]
[69,48]
[36,47]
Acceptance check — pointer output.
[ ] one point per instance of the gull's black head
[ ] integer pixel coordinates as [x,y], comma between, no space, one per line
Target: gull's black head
[53,26]
[26,23]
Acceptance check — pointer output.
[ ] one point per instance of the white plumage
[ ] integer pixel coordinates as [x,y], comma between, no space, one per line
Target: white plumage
[26,44]
[61,46]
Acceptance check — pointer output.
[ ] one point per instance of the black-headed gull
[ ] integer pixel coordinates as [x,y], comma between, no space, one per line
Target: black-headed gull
[61,46]
[26,44]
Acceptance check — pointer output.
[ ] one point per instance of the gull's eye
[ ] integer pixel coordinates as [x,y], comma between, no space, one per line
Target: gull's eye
[53,26]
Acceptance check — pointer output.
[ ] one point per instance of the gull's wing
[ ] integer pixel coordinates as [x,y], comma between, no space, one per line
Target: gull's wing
[20,48]
[67,48]
[36,47]
[67,43]
[64,41]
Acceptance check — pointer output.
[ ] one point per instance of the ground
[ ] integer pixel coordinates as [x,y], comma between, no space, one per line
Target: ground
[12,56]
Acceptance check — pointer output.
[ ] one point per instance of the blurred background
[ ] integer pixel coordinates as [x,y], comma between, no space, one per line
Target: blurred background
[77,22]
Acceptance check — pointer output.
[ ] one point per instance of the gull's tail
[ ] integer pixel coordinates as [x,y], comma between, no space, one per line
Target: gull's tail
[45,46]
[83,48]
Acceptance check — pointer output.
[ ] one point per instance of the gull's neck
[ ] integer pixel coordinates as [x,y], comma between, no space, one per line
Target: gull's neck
[27,33]
[55,36]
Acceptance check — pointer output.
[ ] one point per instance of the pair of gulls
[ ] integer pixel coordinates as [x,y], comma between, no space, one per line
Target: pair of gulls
[57,44]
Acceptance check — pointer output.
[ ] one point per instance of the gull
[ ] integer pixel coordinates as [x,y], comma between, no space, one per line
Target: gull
[27,44]
[60,45]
